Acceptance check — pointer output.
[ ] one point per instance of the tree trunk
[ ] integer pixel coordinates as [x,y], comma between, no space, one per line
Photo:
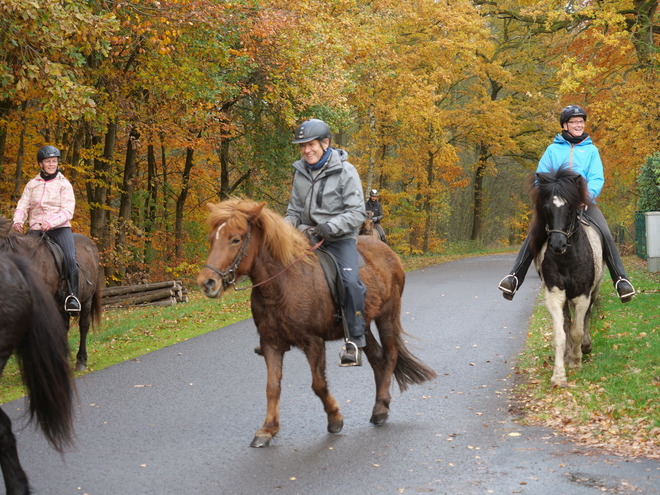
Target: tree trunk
[97,191]
[18,177]
[428,203]
[150,204]
[126,200]
[477,212]
[372,151]
[181,202]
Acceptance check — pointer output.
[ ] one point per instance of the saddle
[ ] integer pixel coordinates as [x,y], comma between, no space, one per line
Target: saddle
[335,283]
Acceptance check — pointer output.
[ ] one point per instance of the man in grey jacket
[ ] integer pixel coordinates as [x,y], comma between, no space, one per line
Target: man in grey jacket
[327,195]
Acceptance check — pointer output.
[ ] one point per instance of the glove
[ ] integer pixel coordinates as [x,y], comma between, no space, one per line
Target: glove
[324,230]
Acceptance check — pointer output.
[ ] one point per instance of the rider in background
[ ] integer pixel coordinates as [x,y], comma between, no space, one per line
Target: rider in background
[48,202]
[374,206]
[327,194]
[575,148]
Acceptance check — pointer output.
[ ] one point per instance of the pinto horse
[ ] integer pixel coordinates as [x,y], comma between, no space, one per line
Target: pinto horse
[89,287]
[292,304]
[30,325]
[568,254]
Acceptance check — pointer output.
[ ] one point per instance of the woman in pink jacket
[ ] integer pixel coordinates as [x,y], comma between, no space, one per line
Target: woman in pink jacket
[48,203]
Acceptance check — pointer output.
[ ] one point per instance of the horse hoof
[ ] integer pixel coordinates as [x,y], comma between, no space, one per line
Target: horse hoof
[259,442]
[586,349]
[81,366]
[378,419]
[335,427]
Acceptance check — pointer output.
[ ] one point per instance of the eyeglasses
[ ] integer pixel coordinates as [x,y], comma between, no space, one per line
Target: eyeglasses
[576,122]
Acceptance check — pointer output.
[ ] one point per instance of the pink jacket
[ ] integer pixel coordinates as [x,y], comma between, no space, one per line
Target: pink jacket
[48,204]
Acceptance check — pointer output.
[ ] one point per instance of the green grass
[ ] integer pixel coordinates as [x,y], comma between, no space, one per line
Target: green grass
[613,401]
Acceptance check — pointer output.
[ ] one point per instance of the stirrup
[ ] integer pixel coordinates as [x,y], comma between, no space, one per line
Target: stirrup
[71,299]
[343,352]
[628,295]
[506,292]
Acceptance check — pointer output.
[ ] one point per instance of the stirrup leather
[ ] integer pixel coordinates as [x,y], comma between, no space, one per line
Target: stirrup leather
[344,349]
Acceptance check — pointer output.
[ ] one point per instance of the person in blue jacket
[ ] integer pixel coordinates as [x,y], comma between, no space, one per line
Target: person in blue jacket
[573,147]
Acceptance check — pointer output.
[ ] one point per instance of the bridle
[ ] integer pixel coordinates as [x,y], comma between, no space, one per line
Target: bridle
[229,275]
[572,228]
[231,271]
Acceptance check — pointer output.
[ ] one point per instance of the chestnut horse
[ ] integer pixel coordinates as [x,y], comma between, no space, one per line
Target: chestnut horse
[568,255]
[89,286]
[292,305]
[368,227]
[30,324]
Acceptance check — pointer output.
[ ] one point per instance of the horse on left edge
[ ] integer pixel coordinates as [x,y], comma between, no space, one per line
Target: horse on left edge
[34,247]
[31,326]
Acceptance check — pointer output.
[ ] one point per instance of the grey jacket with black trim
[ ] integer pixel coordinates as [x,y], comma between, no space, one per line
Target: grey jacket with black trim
[334,197]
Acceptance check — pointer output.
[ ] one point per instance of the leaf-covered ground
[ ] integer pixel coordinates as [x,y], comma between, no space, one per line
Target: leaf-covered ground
[612,404]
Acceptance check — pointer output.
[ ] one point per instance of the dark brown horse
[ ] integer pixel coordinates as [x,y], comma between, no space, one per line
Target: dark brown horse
[293,307]
[35,248]
[30,325]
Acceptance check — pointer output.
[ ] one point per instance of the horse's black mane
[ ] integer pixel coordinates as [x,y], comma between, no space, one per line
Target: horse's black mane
[564,183]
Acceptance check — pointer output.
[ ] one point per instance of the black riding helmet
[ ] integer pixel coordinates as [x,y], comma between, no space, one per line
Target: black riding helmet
[310,130]
[571,111]
[47,152]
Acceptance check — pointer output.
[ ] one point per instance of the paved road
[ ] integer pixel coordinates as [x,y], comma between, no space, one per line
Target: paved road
[180,420]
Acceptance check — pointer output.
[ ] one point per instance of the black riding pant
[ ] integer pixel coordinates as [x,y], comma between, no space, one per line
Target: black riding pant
[63,237]
[345,252]
[610,252]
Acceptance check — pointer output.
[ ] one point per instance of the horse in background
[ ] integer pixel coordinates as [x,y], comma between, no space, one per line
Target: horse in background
[34,247]
[368,227]
[568,255]
[31,326]
[292,305]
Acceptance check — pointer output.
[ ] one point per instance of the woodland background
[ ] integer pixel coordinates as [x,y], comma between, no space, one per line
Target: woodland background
[444,106]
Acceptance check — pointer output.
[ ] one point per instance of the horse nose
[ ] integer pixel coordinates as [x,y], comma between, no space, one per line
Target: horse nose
[558,244]
[209,285]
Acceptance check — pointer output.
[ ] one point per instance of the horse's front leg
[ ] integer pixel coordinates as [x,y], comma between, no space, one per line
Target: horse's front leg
[554,301]
[581,305]
[274,358]
[316,357]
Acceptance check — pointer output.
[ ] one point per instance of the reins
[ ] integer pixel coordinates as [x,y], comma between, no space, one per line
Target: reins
[231,271]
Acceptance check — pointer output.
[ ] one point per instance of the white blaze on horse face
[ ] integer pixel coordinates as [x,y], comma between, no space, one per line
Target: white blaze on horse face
[558,202]
[217,232]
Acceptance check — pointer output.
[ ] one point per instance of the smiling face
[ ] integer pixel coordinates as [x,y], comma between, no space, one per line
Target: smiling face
[49,165]
[314,150]
[575,126]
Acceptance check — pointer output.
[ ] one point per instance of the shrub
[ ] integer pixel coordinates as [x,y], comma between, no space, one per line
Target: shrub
[648,184]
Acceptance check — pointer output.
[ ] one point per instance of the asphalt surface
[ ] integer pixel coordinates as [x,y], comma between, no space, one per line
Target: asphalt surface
[180,420]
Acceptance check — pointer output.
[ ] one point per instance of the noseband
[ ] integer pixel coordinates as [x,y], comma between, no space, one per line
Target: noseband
[572,228]
[229,275]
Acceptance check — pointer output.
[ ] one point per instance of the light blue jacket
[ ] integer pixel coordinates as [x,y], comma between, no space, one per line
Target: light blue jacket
[583,158]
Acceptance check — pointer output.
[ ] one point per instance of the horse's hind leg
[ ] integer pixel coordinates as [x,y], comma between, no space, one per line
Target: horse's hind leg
[274,358]
[582,304]
[316,357]
[15,479]
[383,362]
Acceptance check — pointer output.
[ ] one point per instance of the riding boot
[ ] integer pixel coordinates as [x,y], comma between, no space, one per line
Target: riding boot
[71,303]
[512,282]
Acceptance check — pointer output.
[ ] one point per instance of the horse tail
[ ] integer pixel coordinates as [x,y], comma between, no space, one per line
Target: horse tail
[409,369]
[43,359]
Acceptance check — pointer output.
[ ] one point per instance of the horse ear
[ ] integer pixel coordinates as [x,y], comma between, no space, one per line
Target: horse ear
[256,211]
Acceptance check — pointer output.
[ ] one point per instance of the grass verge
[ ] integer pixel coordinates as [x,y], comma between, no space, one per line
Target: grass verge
[612,403]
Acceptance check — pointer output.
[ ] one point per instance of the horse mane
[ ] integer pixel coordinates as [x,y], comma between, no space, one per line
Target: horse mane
[5,226]
[281,239]
[563,182]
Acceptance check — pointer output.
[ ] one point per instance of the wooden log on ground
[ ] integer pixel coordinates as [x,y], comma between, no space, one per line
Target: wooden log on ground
[131,299]
[133,289]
